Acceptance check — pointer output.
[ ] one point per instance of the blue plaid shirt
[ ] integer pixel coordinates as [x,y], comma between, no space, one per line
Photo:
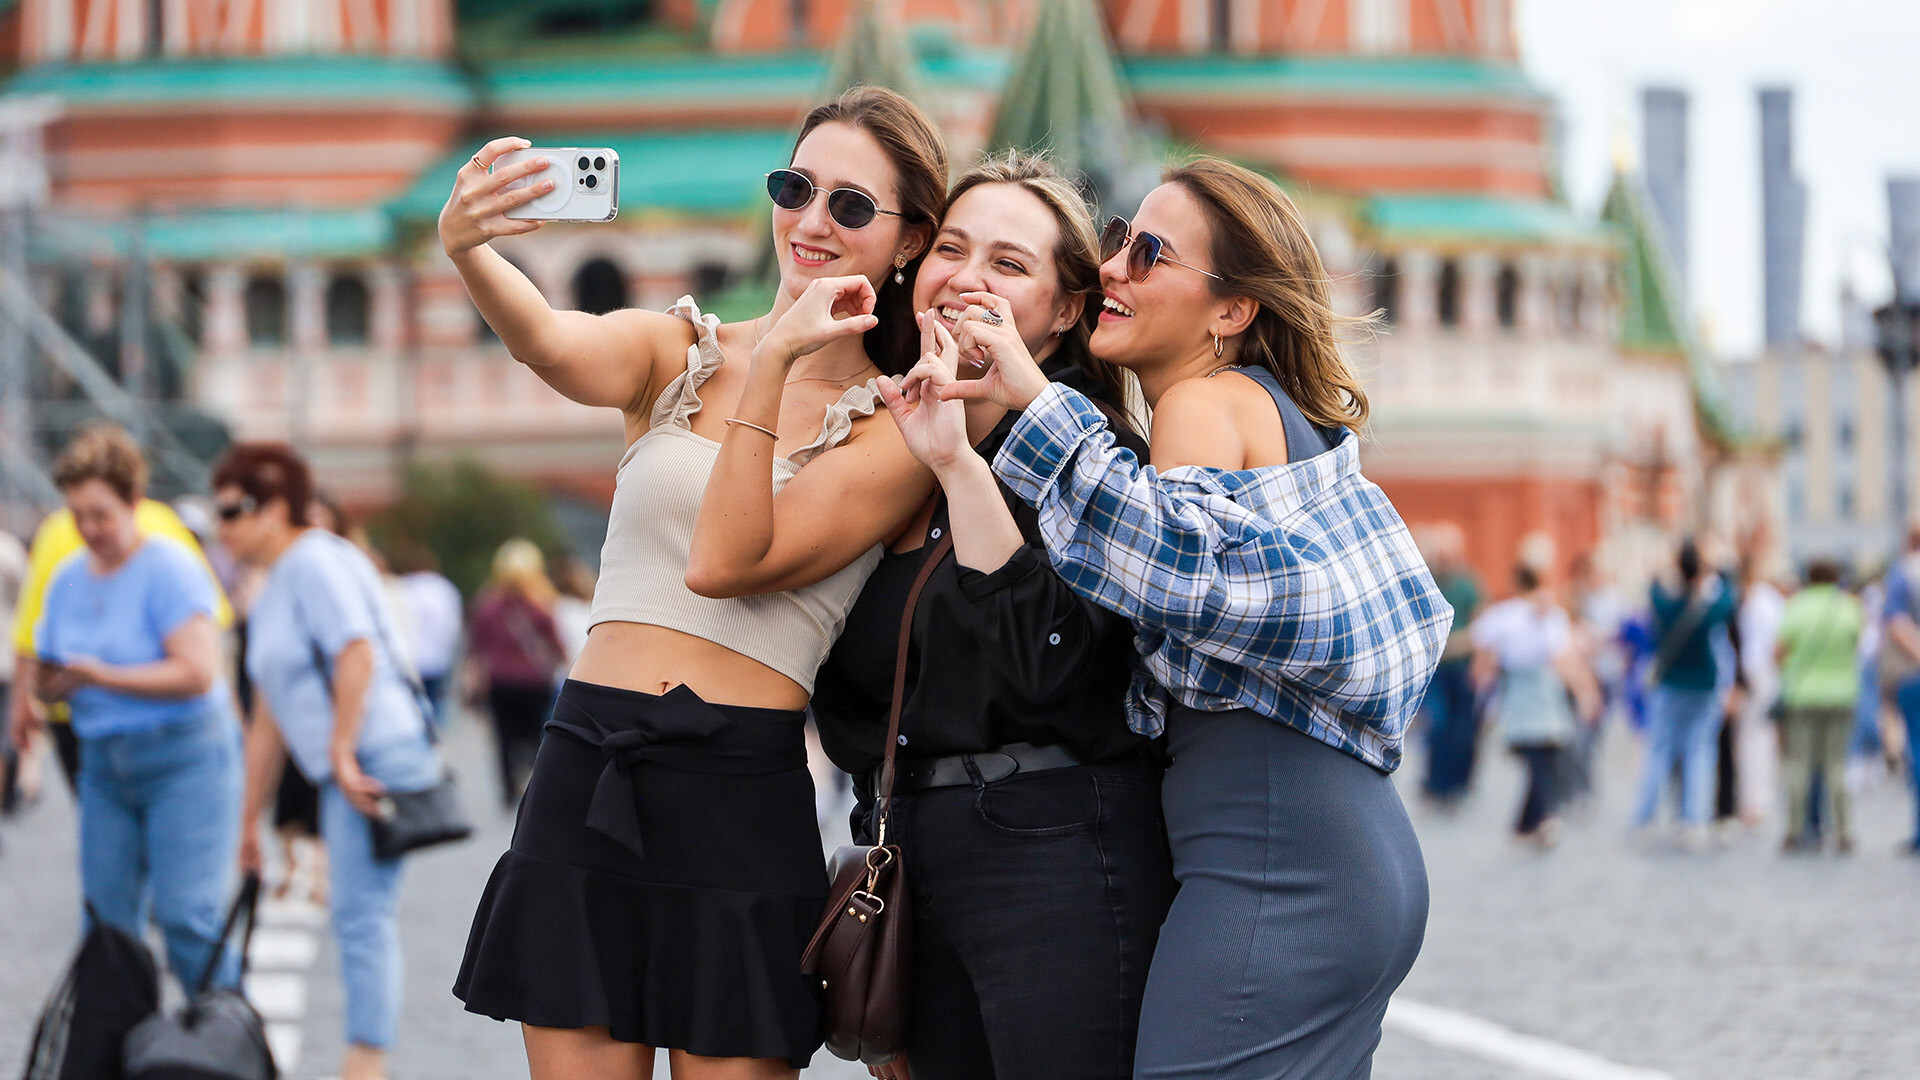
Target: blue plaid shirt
[1295,591]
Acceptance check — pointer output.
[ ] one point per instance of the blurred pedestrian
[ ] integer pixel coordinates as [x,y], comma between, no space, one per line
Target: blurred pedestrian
[1688,683]
[1819,635]
[1756,738]
[1900,656]
[331,688]
[573,604]
[13,575]
[1542,691]
[514,643]
[1453,714]
[128,641]
[1600,639]
[431,611]
[54,542]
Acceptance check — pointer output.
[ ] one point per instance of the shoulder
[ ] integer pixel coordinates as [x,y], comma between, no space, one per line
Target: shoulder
[65,568]
[1198,422]
[172,558]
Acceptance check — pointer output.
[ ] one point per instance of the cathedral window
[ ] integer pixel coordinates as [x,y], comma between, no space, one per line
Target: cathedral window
[347,310]
[1506,296]
[1386,292]
[266,306]
[1447,302]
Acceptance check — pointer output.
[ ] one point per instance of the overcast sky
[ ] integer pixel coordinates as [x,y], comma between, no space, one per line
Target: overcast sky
[1855,69]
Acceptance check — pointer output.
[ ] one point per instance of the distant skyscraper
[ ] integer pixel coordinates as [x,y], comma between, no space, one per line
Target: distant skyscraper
[1663,132]
[1783,208]
[1903,231]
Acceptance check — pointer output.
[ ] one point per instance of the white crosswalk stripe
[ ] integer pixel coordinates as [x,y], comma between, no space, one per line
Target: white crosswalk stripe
[279,956]
[1492,1042]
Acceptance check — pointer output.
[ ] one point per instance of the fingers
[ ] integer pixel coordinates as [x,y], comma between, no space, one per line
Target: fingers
[519,170]
[946,347]
[489,153]
[927,319]
[507,200]
[965,390]
[858,294]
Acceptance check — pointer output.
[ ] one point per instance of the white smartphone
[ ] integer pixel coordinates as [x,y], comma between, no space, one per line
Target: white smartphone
[586,183]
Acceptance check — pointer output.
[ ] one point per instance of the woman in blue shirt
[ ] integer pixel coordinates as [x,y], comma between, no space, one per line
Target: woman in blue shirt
[330,689]
[127,640]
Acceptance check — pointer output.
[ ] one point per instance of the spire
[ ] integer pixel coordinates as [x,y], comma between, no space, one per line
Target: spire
[874,51]
[1066,96]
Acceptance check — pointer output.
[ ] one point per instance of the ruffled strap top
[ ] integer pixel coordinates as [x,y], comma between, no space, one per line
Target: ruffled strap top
[656,498]
[681,399]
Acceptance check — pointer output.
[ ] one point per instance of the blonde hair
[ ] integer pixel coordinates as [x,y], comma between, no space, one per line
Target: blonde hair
[1076,255]
[1261,249]
[518,565]
[103,452]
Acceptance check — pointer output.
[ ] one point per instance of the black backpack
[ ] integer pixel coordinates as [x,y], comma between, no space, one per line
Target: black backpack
[110,987]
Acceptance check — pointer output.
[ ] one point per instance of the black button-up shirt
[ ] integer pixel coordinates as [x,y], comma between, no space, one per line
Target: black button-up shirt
[995,658]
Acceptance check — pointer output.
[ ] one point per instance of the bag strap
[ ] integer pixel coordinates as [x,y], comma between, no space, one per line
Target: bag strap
[402,664]
[884,798]
[246,903]
[1675,639]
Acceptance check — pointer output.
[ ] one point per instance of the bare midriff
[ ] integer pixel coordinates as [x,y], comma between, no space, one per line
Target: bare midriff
[654,660]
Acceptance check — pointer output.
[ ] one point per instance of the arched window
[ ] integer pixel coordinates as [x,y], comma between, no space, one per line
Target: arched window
[1386,291]
[599,287]
[266,304]
[709,280]
[1448,300]
[1506,297]
[347,302]
[1220,28]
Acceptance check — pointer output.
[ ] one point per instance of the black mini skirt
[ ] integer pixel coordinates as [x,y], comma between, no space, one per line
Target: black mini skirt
[665,875]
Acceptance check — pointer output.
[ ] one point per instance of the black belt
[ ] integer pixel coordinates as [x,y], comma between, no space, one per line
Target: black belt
[919,774]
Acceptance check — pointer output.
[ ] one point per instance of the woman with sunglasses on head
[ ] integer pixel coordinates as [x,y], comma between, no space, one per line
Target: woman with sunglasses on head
[1028,812]
[1287,622]
[666,869]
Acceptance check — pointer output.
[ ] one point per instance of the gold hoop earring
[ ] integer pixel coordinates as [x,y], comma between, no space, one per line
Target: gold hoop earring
[1218,346]
[899,269]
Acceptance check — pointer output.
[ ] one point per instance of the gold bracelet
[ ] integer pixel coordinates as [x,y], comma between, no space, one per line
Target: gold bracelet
[774,435]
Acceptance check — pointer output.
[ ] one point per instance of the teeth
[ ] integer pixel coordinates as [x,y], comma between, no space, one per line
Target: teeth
[812,256]
[952,314]
[1116,307]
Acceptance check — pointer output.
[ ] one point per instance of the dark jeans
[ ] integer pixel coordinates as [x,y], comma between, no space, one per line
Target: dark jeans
[519,713]
[1453,731]
[1037,904]
[1543,786]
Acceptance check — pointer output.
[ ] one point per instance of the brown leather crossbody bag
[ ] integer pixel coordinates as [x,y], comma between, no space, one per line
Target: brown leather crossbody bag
[862,951]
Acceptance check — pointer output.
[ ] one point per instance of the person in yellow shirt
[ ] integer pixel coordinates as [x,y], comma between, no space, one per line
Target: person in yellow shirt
[56,540]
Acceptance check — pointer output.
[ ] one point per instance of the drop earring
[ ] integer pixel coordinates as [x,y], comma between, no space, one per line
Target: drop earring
[899,269]
[1218,346]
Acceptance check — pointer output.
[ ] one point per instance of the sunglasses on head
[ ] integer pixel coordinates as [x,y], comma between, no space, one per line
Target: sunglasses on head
[234,511]
[1147,251]
[850,208]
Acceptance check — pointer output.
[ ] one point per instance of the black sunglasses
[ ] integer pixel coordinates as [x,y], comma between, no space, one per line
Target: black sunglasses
[850,208]
[1148,251]
[233,511]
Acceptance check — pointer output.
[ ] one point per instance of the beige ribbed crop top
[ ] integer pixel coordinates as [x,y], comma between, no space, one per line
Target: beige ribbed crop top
[656,496]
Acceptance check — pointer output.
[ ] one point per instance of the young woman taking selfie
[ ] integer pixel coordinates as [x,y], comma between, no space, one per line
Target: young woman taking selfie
[1287,623]
[666,868]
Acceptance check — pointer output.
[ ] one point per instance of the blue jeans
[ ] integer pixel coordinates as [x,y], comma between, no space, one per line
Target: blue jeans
[1682,726]
[1908,698]
[366,891]
[1453,730]
[159,824]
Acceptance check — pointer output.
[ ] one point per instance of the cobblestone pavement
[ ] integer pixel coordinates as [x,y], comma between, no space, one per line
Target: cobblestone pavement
[1733,964]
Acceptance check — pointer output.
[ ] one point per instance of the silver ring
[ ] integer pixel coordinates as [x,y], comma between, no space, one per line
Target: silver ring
[992,317]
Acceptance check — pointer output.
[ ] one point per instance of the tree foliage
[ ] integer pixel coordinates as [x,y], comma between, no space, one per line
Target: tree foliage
[462,513]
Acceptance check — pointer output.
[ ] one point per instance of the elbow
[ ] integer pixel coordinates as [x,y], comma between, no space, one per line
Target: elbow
[199,681]
[708,578]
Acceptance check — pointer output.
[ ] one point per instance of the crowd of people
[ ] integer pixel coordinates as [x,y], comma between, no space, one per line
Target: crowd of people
[1759,702]
[271,669]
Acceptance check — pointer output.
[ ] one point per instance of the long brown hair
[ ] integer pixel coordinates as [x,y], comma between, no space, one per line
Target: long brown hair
[1076,255]
[1261,250]
[919,156]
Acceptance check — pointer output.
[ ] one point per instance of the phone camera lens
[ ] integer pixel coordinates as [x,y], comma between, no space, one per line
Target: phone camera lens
[583,163]
[593,181]
[599,163]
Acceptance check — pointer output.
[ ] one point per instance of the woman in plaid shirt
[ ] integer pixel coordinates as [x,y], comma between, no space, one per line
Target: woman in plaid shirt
[1287,623]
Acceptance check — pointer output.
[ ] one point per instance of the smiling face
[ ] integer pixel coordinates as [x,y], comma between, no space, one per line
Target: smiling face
[812,245]
[1170,317]
[999,238]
